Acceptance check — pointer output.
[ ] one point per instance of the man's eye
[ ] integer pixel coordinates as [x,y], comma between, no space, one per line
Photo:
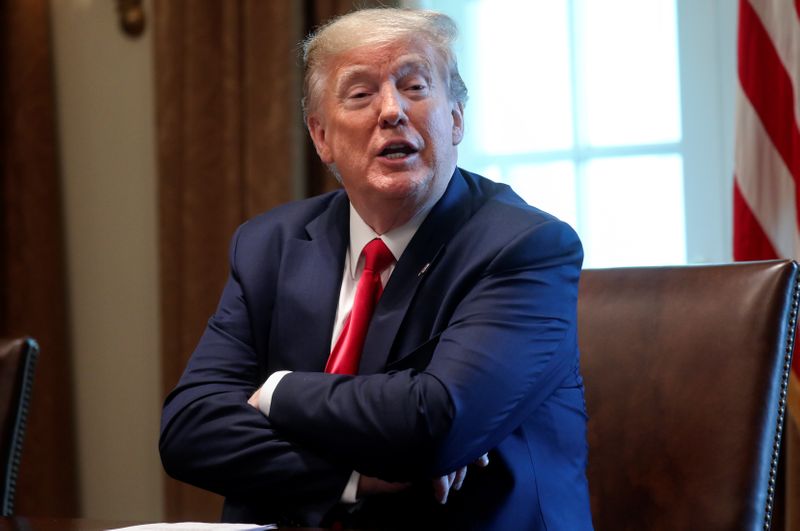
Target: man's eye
[359,95]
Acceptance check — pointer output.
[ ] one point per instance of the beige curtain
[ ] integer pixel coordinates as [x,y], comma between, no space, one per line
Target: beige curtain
[231,144]
[32,283]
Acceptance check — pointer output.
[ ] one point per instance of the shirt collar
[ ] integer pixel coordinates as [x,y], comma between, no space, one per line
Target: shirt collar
[396,239]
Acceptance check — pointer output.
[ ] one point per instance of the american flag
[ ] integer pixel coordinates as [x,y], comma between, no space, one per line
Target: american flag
[767,179]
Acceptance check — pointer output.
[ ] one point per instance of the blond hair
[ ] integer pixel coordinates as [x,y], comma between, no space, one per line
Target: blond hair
[377,27]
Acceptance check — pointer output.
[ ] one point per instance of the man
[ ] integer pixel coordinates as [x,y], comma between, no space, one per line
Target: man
[309,399]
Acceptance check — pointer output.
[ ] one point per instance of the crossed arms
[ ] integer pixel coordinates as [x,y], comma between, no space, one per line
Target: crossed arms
[506,346]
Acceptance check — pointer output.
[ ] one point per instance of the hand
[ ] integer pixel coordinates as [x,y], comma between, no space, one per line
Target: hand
[253,400]
[367,486]
[442,485]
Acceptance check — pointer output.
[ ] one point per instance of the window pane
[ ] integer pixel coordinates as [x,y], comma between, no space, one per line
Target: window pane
[629,71]
[517,58]
[524,87]
[550,187]
[633,211]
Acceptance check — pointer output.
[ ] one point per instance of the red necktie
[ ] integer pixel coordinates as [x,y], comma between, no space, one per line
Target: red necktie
[347,352]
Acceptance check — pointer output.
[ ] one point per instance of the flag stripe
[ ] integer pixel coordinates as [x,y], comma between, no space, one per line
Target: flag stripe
[767,174]
[749,240]
[766,191]
[768,87]
[782,22]
[765,183]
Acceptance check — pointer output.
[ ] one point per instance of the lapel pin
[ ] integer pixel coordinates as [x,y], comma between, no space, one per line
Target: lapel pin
[424,269]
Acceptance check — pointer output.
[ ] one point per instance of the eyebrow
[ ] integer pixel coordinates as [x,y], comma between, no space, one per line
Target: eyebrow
[411,63]
[350,74]
[404,65]
[407,67]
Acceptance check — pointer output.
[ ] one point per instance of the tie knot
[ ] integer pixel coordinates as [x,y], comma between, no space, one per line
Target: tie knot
[377,256]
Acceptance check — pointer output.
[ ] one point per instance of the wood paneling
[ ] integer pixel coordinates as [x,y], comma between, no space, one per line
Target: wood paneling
[33,297]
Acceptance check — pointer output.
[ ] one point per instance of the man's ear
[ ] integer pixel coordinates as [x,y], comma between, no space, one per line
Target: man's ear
[317,132]
[458,122]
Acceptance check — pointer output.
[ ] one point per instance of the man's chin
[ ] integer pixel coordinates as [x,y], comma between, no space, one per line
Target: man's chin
[402,186]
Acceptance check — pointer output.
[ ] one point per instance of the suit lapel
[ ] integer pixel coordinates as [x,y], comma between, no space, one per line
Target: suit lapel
[421,255]
[311,282]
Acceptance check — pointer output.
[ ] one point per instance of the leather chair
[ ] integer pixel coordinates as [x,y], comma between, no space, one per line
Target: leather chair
[686,371]
[17,363]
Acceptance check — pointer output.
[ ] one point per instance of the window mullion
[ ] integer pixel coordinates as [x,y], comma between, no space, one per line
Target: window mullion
[578,133]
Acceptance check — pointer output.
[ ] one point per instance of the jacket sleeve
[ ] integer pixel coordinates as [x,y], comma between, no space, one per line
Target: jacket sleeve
[508,345]
[211,437]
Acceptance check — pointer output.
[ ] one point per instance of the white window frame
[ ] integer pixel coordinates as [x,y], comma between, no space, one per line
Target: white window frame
[707,65]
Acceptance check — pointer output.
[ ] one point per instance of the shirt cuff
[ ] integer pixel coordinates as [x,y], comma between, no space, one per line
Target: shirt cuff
[267,390]
[350,494]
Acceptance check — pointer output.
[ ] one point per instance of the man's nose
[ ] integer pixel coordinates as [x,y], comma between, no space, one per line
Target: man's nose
[392,111]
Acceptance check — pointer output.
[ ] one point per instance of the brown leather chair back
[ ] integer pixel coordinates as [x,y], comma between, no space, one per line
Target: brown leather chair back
[686,372]
[17,363]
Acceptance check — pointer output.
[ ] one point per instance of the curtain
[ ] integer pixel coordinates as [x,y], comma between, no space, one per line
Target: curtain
[231,144]
[32,280]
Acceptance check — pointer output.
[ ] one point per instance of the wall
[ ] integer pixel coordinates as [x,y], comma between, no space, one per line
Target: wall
[104,98]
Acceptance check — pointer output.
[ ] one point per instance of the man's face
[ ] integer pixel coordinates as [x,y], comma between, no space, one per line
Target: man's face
[385,120]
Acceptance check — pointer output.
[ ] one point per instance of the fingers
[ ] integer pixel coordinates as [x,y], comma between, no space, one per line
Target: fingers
[454,480]
[441,488]
[368,486]
[448,482]
[460,474]
[253,400]
[443,484]
[482,461]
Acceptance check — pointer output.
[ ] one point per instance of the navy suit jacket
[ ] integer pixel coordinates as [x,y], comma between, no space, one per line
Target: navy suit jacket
[472,348]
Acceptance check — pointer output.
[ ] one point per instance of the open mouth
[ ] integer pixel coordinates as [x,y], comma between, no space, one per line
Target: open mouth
[398,151]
